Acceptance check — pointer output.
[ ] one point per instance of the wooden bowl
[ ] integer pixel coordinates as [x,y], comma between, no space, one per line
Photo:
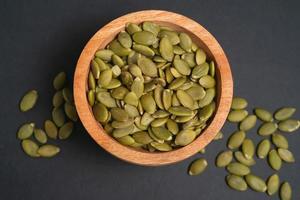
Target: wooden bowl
[202,38]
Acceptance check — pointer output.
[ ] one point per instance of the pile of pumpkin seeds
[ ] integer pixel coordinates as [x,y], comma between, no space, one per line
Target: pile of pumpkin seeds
[34,140]
[273,147]
[152,88]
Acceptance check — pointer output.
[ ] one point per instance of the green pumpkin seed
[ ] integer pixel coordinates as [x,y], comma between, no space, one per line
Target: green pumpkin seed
[160,114]
[131,110]
[197,166]
[263,148]
[238,169]
[60,80]
[104,54]
[182,67]
[224,158]
[147,66]
[273,184]
[239,156]
[200,57]
[118,49]
[118,62]
[142,137]
[185,99]
[28,100]
[30,148]
[200,70]
[286,155]
[178,50]
[119,114]
[151,27]
[148,103]
[212,69]
[162,133]
[126,140]
[91,81]
[48,150]
[285,191]
[144,37]
[166,49]
[284,113]
[132,28]
[239,103]
[263,114]
[248,148]
[95,69]
[267,128]
[100,112]
[189,58]
[196,92]
[237,115]
[68,96]
[167,98]
[91,97]
[105,77]
[208,98]
[58,116]
[58,99]
[175,100]
[120,124]
[185,42]
[40,135]
[172,126]
[207,81]
[289,125]
[159,122]
[236,139]
[171,35]
[71,112]
[274,160]
[50,129]
[121,132]
[280,141]
[102,65]
[236,183]
[256,183]
[65,131]
[161,146]
[25,131]
[180,111]
[119,92]
[146,119]
[145,50]
[185,137]
[106,99]
[124,39]
[206,112]
[248,123]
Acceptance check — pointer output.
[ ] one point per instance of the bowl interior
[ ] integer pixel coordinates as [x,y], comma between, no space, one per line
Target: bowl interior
[199,36]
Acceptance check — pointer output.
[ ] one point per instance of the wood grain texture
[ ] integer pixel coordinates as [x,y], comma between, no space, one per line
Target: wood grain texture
[202,38]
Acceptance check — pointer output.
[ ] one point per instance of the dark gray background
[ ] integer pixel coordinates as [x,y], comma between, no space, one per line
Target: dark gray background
[40,38]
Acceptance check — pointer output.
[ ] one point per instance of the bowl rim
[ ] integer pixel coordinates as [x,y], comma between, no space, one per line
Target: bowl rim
[130,154]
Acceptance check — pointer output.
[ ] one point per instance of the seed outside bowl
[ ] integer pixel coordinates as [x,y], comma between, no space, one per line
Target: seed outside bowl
[179,23]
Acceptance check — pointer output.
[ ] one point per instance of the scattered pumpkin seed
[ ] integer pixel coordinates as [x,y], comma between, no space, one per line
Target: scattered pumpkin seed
[48,150]
[256,183]
[60,80]
[280,141]
[285,191]
[238,169]
[274,160]
[65,131]
[263,148]
[237,115]
[284,113]
[58,116]
[236,182]
[248,148]
[30,148]
[236,139]
[286,155]
[267,128]
[273,184]
[40,135]
[248,123]
[58,99]
[263,114]
[25,131]
[197,167]
[289,125]
[28,100]
[224,158]
[239,156]
[239,103]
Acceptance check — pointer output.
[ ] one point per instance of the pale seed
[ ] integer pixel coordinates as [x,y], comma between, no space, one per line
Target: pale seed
[147,66]
[289,125]
[104,54]
[172,126]
[239,103]
[236,139]
[118,49]
[144,37]
[256,183]
[285,191]
[239,156]
[185,42]
[30,148]
[238,169]
[208,98]
[100,112]
[280,141]
[185,137]
[161,146]
[91,97]
[28,100]
[25,131]
[172,36]
[248,148]
[40,135]
[185,99]
[166,49]
[124,39]
[159,122]
[267,128]
[58,116]
[148,103]
[274,160]
[71,112]
[224,158]
[142,137]
[105,77]
[182,67]
[180,111]
[121,132]
[119,114]
[237,115]
[48,150]
[236,182]
[263,148]
[162,133]
[106,99]
[95,69]
[132,28]
[263,114]
[248,123]
[197,167]
[207,81]
[196,92]
[284,113]
[200,70]
[286,155]
[200,56]
[118,124]
[273,184]
[167,98]
[145,50]
[151,27]
[58,99]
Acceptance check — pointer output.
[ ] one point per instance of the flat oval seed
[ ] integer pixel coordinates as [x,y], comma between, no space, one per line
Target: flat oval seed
[212,69]
[274,160]
[200,70]
[237,115]
[118,49]
[182,67]
[267,128]
[236,182]
[238,169]
[197,167]
[48,150]
[91,81]
[58,116]
[162,133]
[161,146]
[67,95]
[59,80]
[236,139]
[185,99]
[40,135]
[185,137]
[280,141]
[208,98]
[248,148]
[71,112]
[144,37]
[171,35]
[145,50]
[148,103]
[172,126]
[180,111]
[121,132]
[91,97]
[284,113]
[185,42]
[289,125]
[224,158]
[117,124]
[132,111]
[239,103]
[124,39]
[248,123]
[147,66]
[206,112]
[151,27]
[166,49]
[119,114]
[28,100]
[263,114]
[167,98]
[105,77]
[106,99]
[50,129]
[263,148]
[104,54]
[100,112]
[239,156]
[273,184]
[30,148]
[285,191]
[256,183]
[142,137]
[66,130]
[160,114]
[58,99]
[126,140]
[132,28]
[200,56]
[196,92]
[95,69]
[207,81]
[286,155]
[118,62]
[159,122]
[119,92]
[25,131]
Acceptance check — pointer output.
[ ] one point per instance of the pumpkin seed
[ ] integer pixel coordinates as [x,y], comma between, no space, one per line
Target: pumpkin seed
[248,148]
[106,99]
[91,97]
[248,123]
[121,132]
[236,139]
[208,98]
[239,103]
[60,80]
[144,37]
[159,122]
[104,54]
[25,131]
[267,128]
[68,96]
[95,69]
[263,114]
[58,116]
[148,103]
[146,119]
[48,150]
[118,49]
[166,49]
[65,131]
[189,58]
[100,112]
[196,92]
[236,182]
[119,92]
[274,160]
[132,28]
[200,56]
[40,135]
[161,146]
[71,112]
[256,183]
[185,137]
[105,77]
[147,66]
[30,148]
[284,113]
[124,39]
[167,99]
[119,114]
[237,115]
[224,158]
[151,27]
[182,67]
[197,166]
[185,42]
[162,133]
[263,148]
[58,99]
[280,141]
[185,99]
[91,81]
[28,100]
[289,125]
[120,124]
[273,184]
[206,112]
[239,156]
[160,114]
[285,191]
[172,126]
[286,155]
[200,70]
[102,65]
[50,129]
[142,137]
[219,136]
[132,111]
[207,81]
[171,35]
[126,140]
[238,169]
[145,50]
[212,69]
[180,111]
